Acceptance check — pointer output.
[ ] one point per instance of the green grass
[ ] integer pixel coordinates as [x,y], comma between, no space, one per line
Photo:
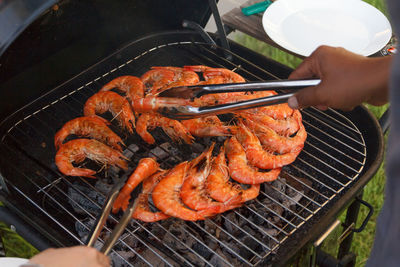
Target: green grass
[15,245]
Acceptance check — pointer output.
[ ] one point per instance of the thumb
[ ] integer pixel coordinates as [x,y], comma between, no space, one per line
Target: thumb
[305,98]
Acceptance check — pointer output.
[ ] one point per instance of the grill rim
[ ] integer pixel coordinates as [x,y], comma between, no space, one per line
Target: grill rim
[363,178]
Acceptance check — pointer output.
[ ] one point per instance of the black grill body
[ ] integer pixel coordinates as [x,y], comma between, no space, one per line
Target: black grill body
[342,152]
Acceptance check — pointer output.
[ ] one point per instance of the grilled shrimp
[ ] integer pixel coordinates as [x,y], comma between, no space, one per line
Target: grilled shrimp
[239,169]
[142,124]
[217,75]
[166,196]
[278,143]
[113,102]
[221,189]
[228,75]
[209,99]
[277,112]
[131,85]
[142,208]
[173,128]
[284,127]
[79,149]
[93,126]
[193,191]
[209,73]
[213,80]
[259,157]
[155,79]
[249,96]
[145,168]
[207,126]
[182,77]
[199,68]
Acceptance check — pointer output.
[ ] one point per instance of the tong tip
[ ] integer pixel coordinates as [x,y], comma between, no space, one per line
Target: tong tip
[179,112]
[180,92]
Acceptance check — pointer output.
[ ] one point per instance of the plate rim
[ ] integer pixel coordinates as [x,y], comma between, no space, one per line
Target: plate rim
[13,261]
[273,37]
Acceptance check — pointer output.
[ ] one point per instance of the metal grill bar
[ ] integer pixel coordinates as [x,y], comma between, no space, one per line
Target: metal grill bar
[255,225]
[311,177]
[335,119]
[260,216]
[330,156]
[289,197]
[222,243]
[302,194]
[244,242]
[323,173]
[333,179]
[278,203]
[184,244]
[308,187]
[320,172]
[231,236]
[329,135]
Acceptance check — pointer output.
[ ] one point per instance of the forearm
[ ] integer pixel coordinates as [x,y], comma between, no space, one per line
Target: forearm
[377,76]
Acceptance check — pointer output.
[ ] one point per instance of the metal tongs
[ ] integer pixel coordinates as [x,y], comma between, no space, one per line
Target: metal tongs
[102,217]
[190,92]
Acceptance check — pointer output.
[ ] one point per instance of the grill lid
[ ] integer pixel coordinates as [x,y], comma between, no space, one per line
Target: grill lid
[36,30]
[15,16]
[71,36]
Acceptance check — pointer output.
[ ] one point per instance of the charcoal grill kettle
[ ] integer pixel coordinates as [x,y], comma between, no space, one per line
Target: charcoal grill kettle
[68,48]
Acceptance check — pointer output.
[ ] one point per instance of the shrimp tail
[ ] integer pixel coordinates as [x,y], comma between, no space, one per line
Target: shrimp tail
[145,168]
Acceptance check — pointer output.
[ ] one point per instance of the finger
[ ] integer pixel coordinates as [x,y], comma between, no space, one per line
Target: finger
[292,102]
[304,70]
[322,107]
[305,98]
[103,260]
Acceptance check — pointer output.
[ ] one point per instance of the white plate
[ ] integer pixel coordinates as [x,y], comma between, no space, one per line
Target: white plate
[301,26]
[12,262]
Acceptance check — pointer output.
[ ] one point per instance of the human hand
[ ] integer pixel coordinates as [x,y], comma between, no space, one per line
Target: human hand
[78,256]
[347,79]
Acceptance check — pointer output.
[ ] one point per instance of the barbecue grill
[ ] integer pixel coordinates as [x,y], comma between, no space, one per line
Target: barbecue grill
[92,43]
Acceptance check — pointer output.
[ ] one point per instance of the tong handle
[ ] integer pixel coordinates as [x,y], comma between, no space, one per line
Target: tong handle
[119,229]
[102,218]
[257,86]
[189,112]
[252,103]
